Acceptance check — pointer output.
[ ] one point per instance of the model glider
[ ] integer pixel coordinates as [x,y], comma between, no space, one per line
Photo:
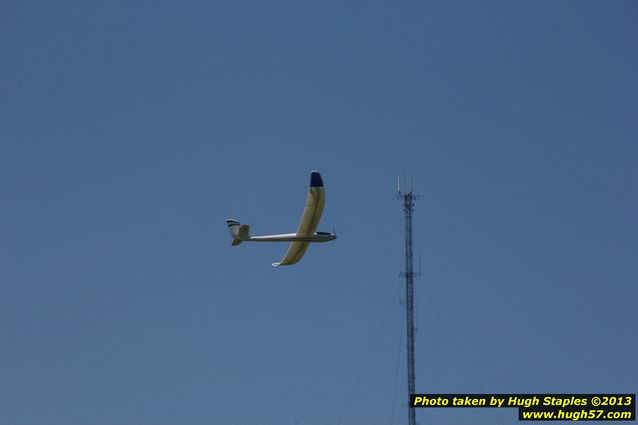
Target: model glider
[305,233]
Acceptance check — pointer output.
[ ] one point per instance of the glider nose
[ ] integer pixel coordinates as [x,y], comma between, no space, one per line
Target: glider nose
[315,179]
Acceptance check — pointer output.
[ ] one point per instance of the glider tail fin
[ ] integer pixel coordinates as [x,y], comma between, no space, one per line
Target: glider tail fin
[239,232]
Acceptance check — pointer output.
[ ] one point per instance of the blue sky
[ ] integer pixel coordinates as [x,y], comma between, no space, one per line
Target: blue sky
[129,132]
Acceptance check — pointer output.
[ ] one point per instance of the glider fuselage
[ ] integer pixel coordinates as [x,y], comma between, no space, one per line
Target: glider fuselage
[291,237]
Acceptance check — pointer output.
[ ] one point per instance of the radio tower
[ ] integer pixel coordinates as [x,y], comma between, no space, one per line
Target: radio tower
[408,205]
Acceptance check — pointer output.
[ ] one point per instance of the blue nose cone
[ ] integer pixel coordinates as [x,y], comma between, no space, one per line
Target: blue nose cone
[315,179]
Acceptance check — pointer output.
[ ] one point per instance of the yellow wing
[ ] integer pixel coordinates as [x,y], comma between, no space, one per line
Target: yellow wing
[309,220]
